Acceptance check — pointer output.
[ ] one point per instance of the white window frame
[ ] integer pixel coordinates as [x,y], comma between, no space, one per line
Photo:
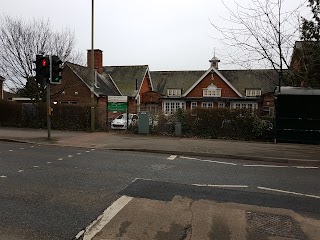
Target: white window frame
[253,92]
[193,105]
[221,104]
[244,105]
[170,107]
[173,92]
[207,104]
[211,91]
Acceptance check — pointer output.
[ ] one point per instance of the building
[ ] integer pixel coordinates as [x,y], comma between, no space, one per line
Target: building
[75,87]
[214,88]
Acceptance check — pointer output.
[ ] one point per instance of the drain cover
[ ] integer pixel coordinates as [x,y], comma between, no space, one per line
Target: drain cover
[276,225]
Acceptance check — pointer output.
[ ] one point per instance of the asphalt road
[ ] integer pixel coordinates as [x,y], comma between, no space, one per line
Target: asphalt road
[51,192]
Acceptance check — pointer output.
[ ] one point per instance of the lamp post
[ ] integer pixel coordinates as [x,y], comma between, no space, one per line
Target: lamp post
[92,70]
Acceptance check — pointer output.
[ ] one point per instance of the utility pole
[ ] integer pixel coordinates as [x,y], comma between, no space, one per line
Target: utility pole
[48,100]
[92,70]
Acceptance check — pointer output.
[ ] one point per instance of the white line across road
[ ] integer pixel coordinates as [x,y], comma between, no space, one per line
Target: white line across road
[289,192]
[266,166]
[278,166]
[220,186]
[212,161]
[97,225]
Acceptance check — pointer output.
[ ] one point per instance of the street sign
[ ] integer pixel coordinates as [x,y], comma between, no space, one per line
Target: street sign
[117,106]
[117,99]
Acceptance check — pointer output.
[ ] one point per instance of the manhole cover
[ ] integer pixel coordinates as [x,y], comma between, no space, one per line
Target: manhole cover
[271,224]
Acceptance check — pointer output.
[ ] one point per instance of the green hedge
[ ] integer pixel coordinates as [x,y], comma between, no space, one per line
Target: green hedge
[65,117]
[217,123]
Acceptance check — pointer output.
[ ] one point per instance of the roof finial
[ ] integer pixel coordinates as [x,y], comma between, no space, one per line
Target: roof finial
[214,61]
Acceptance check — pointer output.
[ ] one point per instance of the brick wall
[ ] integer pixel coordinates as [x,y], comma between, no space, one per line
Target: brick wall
[71,89]
[226,91]
[146,86]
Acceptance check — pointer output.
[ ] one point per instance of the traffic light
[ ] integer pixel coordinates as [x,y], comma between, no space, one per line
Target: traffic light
[56,70]
[42,69]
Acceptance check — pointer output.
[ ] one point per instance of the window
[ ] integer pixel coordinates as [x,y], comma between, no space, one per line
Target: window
[244,105]
[172,107]
[221,105]
[211,91]
[174,92]
[194,105]
[253,92]
[207,105]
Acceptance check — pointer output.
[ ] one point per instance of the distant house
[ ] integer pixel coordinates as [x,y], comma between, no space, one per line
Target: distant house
[1,87]
[75,88]
[214,88]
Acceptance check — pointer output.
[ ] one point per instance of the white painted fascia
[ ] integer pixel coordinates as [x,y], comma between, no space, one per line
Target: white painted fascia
[142,83]
[115,84]
[148,71]
[220,75]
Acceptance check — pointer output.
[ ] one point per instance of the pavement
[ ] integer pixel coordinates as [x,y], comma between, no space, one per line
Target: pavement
[183,217]
[301,154]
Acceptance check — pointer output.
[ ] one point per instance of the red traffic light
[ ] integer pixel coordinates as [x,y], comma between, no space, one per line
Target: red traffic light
[44,62]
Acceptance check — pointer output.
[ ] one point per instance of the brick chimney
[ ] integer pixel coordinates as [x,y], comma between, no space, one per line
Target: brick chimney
[97,59]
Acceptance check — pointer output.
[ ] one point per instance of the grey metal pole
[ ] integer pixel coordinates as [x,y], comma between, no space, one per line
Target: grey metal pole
[92,70]
[48,101]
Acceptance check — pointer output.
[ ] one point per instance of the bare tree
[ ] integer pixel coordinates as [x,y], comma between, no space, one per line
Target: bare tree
[262,34]
[20,41]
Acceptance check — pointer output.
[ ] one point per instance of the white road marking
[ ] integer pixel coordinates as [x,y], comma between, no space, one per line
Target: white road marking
[267,166]
[289,192]
[3,176]
[145,179]
[70,156]
[191,158]
[22,148]
[93,149]
[212,161]
[36,166]
[221,186]
[79,153]
[87,151]
[48,162]
[172,157]
[301,167]
[20,171]
[97,225]
[60,159]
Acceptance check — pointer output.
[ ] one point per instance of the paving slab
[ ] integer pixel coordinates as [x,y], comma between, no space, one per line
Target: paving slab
[184,218]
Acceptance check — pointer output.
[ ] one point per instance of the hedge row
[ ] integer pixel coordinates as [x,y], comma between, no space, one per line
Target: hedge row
[217,123]
[65,117]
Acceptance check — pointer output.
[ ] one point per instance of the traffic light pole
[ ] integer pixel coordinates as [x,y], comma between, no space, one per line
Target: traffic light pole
[48,101]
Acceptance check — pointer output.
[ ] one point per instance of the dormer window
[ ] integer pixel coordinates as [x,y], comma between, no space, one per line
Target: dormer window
[174,92]
[211,91]
[253,92]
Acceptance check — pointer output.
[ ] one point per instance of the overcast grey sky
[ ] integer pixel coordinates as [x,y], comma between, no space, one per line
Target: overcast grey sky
[165,34]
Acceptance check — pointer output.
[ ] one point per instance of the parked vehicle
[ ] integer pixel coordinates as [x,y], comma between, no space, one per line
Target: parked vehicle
[120,122]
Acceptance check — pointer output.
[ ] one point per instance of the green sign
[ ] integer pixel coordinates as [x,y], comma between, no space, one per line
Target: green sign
[117,106]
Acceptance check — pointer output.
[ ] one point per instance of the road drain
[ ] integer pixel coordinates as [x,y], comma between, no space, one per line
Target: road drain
[276,225]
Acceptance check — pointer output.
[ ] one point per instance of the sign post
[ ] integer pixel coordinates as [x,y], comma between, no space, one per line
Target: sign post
[117,104]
